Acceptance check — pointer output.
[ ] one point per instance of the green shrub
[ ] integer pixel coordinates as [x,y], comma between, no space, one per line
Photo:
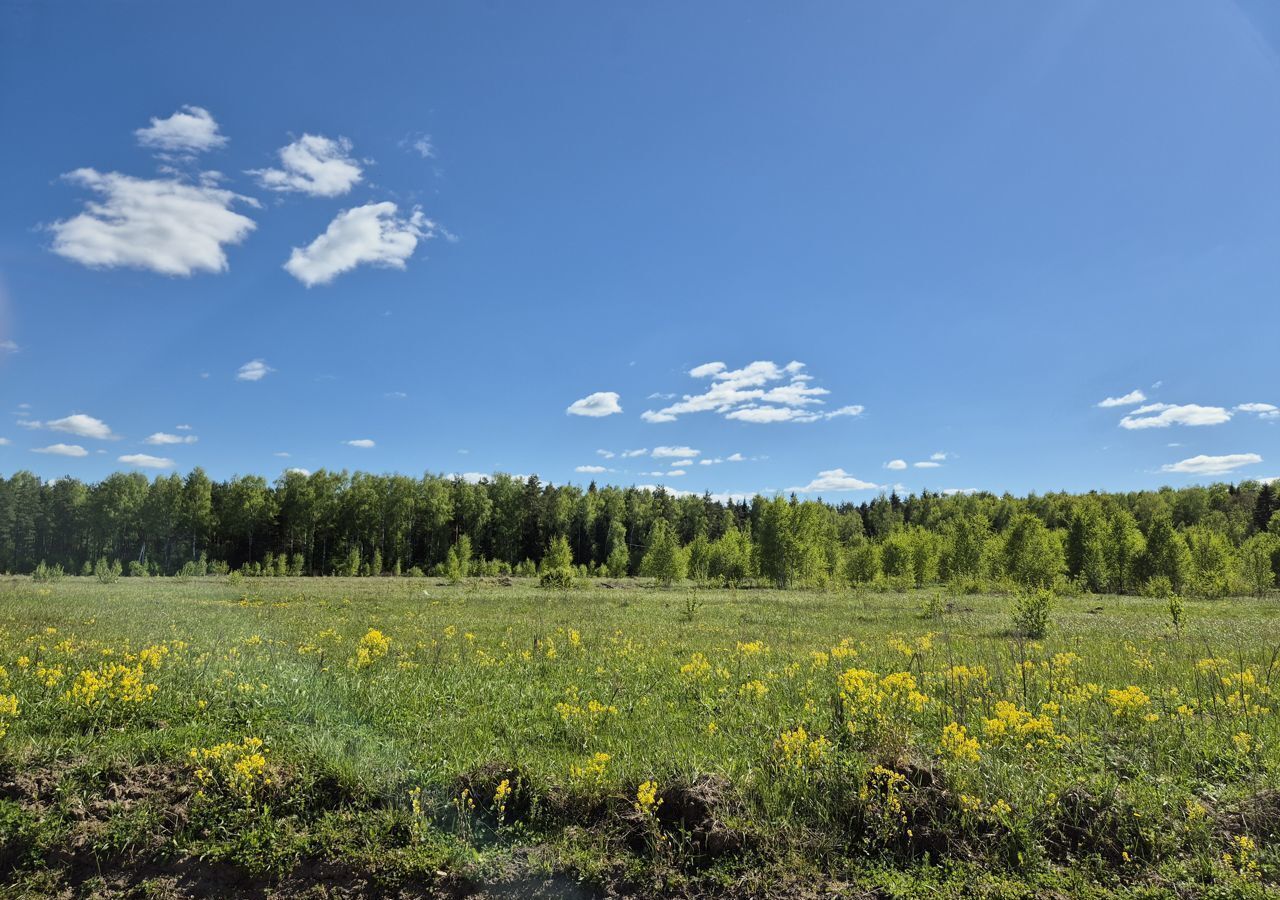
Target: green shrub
[107,572]
[46,573]
[1031,613]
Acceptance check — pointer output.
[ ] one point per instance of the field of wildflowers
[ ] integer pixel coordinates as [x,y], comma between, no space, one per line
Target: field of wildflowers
[397,737]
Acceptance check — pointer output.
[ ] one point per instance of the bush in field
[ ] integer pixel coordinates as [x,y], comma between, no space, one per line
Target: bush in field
[557,565]
[46,573]
[107,572]
[457,564]
[1031,613]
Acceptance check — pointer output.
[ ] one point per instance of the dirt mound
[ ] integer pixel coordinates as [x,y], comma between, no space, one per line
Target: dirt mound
[1257,815]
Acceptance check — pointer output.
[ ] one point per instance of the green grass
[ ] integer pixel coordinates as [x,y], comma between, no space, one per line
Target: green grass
[380,772]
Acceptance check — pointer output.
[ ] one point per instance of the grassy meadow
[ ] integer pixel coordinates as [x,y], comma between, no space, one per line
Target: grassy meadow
[407,737]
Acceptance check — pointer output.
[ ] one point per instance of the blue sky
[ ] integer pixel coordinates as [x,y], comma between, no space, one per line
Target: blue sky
[855,237]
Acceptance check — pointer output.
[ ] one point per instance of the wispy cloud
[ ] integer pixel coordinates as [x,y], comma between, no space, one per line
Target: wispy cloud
[1212,465]
[1262,410]
[1163,415]
[761,392]
[254,370]
[62,450]
[362,443]
[675,452]
[1130,399]
[78,424]
[834,480]
[601,403]
[161,438]
[147,461]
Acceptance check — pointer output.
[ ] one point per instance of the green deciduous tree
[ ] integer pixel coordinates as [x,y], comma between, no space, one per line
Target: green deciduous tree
[664,560]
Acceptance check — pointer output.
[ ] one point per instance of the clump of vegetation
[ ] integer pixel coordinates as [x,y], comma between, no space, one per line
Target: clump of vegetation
[45,573]
[1031,613]
[107,572]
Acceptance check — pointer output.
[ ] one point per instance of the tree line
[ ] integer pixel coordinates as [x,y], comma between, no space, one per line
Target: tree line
[1210,541]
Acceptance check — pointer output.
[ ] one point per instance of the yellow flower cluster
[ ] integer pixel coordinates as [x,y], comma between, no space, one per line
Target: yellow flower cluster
[591,773]
[501,794]
[111,684]
[372,647]
[8,712]
[698,668]
[1242,856]
[1130,704]
[240,769]
[647,799]
[957,743]
[586,717]
[1012,724]
[800,753]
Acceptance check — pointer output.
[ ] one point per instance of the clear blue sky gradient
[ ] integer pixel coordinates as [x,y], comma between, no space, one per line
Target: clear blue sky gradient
[974,221]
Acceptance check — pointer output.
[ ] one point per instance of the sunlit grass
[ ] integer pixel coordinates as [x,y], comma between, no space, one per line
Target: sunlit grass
[834,729]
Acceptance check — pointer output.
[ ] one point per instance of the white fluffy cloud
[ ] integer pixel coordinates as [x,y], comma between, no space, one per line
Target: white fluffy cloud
[62,450]
[315,165]
[1130,399]
[362,443]
[5,442]
[147,461]
[161,438]
[601,403]
[896,465]
[834,480]
[1263,410]
[9,346]
[927,464]
[189,130]
[951,492]
[81,426]
[938,457]
[675,452]
[297,471]
[1212,465]
[632,454]
[1162,415]
[371,234]
[162,224]
[607,454]
[254,370]
[591,470]
[762,392]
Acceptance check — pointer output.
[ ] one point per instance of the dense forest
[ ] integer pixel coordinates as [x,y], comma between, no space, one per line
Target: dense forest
[1203,540]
